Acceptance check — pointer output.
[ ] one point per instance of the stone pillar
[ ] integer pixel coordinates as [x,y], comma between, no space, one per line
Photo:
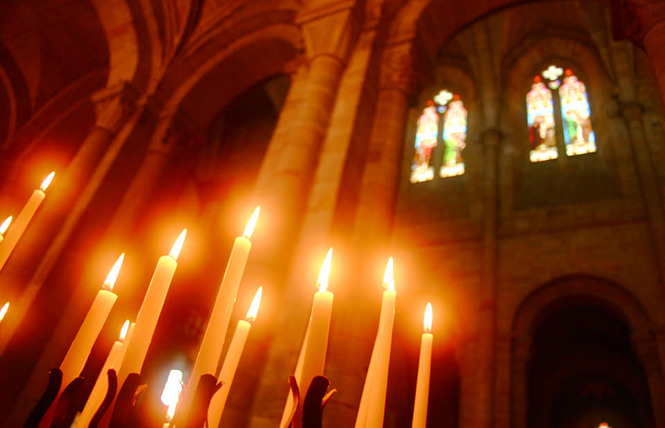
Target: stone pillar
[44,243]
[643,22]
[487,312]
[329,36]
[519,369]
[503,380]
[647,350]
[651,197]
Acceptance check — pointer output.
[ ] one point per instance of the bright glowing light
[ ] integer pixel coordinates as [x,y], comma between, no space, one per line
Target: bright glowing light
[252,222]
[123,331]
[171,393]
[109,282]
[322,282]
[254,307]
[3,311]
[604,425]
[5,225]
[175,251]
[427,321]
[388,278]
[47,181]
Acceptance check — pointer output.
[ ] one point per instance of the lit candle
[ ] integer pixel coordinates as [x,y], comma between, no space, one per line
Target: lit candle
[23,219]
[3,228]
[171,394]
[316,345]
[98,392]
[80,348]
[146,319]
[213,338]
[373,399]
[3,311]
[231,363]
[424,367]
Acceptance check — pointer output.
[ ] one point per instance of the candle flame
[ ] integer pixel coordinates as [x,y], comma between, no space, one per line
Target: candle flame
[427,322]
[5,225]
[171,393]
[604,425]
[109,282]
[47,181]
[175,251]
[3,311]
[123,331]
[252,222]
[254,307]
[388,278]
[322,282]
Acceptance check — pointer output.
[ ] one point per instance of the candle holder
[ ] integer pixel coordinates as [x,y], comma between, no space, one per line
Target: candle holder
[45,401]
[124,409]
[315,400]
[198,412]
[108,399]
[68,404]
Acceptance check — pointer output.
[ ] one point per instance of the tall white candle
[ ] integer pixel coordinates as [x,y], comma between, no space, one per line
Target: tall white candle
[151,308]
[316,345]
[81,346]
[213,338]
[231,361]
[22,220]
[373,399]
[98,392]
[424,368]
[3,228]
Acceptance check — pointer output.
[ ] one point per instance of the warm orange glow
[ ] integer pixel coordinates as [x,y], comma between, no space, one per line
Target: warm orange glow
[427,322]
[604,425]
[123,331]
[175,251]
[322,282]
[388,278]
[254,307]
[5,225]
[171,393]
[47,181]
[3,311]
[109,282]
[252,222]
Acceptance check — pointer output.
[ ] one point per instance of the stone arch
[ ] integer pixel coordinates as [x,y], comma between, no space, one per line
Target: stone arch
[582,288]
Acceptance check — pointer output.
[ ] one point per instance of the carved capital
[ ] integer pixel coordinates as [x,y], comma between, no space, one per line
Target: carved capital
[397,69]
[634,19]
[175,133]
[113,105]
[330,29]
[631,111]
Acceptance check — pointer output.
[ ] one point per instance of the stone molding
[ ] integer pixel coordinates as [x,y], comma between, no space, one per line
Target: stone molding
[113,105]
[397,69]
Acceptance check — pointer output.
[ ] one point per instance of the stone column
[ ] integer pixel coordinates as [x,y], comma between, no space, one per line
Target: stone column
[520,379]
[651,197]
[44,243]
[329,35]
[643,22]
[647,350]
[503,380]
[487,312]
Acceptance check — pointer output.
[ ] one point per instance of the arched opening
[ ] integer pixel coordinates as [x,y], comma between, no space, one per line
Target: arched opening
[582,370]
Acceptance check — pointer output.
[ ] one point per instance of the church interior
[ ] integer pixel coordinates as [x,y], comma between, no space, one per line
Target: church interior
[509,155]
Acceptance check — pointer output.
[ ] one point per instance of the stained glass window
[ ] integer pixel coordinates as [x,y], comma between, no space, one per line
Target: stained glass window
[443,120]
[573,124]
[578,134]
[540,117]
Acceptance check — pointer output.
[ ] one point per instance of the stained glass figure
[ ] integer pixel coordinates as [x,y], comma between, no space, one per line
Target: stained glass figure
[426,140]
[454,138]
[540,119]
[575,111]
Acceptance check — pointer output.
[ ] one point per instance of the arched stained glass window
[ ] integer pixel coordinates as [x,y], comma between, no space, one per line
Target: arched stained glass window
[440,138]
[558,111]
